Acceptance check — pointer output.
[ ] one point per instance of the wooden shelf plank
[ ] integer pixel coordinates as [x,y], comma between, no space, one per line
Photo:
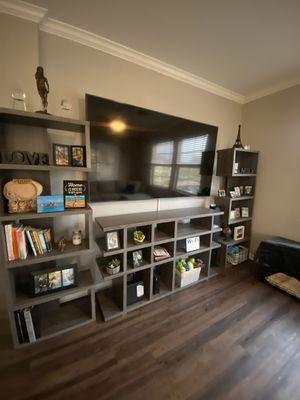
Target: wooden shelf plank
[35,215]
[160,236]
[85,281]
[131,246]
[8,115]
[180,253]
[187,230]
[239,220]
[233,242]
[42,167]
[70,251]
[107,304]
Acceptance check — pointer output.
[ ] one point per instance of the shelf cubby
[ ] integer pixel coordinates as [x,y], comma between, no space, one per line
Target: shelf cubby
[205,243]
[169,246]
[111,299]
[193,227]
[166,276]
[139,276]
[102,262]
[146,254]
[164,231]
[147,231]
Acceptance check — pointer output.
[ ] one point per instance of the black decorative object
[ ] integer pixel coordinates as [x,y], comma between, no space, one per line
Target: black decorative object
[227,233]
[238,142]
[23,157]
[156,282]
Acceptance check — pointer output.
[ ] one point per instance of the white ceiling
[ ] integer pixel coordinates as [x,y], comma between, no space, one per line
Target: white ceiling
[244,46]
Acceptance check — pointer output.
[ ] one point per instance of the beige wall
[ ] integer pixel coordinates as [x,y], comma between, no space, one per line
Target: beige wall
[272,126]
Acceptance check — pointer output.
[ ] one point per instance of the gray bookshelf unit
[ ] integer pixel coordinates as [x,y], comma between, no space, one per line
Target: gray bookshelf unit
[168,228]
[28,131]
[227,159]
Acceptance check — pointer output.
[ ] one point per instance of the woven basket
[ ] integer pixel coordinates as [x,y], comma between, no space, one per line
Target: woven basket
[239,257]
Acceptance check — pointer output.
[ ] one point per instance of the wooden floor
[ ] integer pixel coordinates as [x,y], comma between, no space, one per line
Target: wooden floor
[230,338]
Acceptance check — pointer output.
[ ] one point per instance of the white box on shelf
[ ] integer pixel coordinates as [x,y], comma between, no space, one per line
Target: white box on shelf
[186,278]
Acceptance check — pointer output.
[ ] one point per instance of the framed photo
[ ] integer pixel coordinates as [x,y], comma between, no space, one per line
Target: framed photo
[137,258]
[242,190]
[78,156]
[245,212]
[221,193]
[54,279]
[232,214]
[75,194]
[112,240]
[61,155]
[236,168]
[232,194]
[248,190]
[237,212]
[239,232]
[50,204]
[192,243]
[237,191]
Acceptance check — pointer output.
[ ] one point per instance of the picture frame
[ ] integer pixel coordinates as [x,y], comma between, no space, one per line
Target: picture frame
[245,212]
[242,190]
[61,155]
[237,212]
[232,214]
[75,194]
[53,280]
[221,193]
[50,204]
[237,191]
[248,190]
[78,156]
[112,240]
[137,258]
[239,232]
[192,243]
[232,194]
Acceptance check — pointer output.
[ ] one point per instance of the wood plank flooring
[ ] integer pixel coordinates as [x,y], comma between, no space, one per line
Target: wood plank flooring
[230,338]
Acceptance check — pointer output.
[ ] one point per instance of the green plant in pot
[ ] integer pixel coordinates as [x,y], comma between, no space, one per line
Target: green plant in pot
[138,237]
[113,267]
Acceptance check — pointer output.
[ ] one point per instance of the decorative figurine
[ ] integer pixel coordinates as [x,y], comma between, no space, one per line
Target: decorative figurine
[76,238]
[227,233]
[22,194]
[62,244]
[238,142]
[42,87]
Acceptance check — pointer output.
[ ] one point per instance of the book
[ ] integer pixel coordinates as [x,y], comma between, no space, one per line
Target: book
[42,241]
[48,240]
[29,325]
[9,242]
[15,243]
[29,238]
[75,194]
[19,327]
[160,253]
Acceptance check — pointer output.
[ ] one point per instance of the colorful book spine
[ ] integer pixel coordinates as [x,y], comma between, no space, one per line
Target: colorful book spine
[42,241]
[15,243]
[28,234]
[9,242]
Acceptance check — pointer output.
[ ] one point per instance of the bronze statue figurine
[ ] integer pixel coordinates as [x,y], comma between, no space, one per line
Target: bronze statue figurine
[42,87]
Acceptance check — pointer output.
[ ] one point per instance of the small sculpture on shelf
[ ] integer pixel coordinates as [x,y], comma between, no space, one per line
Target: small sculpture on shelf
[62,243]
[77,238]
[227,232]
[113,267]
[22,194]
[238,141]
[42,87]
[138,237]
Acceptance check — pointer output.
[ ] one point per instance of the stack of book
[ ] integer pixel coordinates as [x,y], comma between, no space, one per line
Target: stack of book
[160,253]
[27,323]
[20,239]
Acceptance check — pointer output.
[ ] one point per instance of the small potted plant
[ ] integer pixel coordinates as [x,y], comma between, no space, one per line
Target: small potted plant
[138,237]
[113,267]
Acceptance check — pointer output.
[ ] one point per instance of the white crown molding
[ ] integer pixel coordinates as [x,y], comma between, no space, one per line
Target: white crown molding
[89,39]
[273,89]
[37,14]
[23,10]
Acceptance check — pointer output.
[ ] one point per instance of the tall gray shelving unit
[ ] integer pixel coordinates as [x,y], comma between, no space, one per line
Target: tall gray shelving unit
[168,228]
[28,131]
[227,159]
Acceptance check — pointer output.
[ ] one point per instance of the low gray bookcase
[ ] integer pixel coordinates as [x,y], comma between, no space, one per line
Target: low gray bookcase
[168,229]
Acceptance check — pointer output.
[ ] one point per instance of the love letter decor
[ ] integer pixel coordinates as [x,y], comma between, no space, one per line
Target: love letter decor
[23,157]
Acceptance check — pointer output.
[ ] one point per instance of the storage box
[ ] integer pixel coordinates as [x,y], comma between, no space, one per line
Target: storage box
[186,278]
[238,258]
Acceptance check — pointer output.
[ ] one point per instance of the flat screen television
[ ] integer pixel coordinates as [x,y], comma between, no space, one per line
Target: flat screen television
[140,154]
